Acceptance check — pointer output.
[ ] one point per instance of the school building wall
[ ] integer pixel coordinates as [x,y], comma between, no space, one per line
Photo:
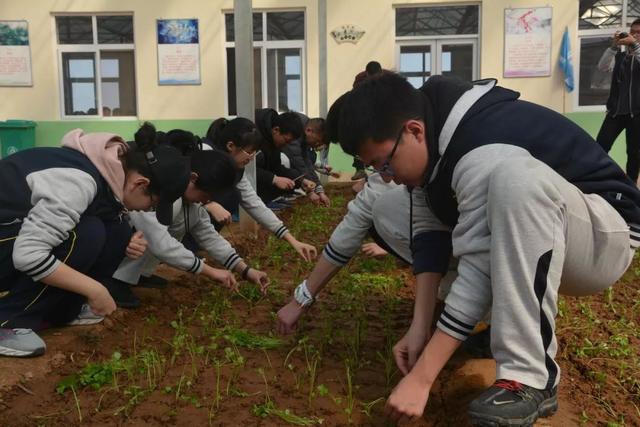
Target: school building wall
[193,107]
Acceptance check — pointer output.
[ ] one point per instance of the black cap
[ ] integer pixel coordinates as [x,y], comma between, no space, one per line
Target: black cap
[170,173]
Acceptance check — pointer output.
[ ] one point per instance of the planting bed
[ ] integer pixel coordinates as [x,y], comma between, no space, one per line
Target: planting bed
[197,355]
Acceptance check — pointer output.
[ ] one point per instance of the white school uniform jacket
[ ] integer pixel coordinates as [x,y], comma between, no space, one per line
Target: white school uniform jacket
[165,242]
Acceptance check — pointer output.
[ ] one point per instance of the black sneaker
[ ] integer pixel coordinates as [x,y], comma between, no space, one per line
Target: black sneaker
[153,281]
[121,293]
[509,403]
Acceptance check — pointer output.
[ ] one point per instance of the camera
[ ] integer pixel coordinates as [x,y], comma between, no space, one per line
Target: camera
[623,35]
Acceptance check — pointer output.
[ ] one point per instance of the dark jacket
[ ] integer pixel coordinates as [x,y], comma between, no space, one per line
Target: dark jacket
[550,137]
[624,96]
[268,162]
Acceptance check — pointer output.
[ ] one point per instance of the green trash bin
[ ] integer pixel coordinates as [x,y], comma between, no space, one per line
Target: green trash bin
[16,135]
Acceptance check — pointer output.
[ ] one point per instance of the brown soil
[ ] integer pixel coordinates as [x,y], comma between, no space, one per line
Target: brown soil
[184,389]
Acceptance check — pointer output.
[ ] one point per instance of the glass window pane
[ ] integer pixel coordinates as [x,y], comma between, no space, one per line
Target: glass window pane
[438,20]
[599,14]
[415,63]
[457,60]
[79,83]
[416,82]
[109,67]
[81,68]
[115,29]
[284,85]
[633,11]
[74,29]
[229,27]
[231,80]
[118,83]
[285,26]
[594,83]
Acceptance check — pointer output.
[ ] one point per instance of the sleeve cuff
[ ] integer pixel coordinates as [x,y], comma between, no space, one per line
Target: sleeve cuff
[335,257]
[232,261]
[45,268]
[455,325]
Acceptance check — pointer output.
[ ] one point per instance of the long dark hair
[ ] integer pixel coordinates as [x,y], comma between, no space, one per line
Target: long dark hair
[242,132]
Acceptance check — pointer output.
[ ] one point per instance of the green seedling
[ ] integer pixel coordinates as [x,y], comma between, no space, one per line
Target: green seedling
[244,338]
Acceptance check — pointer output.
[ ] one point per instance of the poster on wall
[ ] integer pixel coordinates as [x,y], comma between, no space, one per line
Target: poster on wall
[178,52]
[527,42]
[15,56]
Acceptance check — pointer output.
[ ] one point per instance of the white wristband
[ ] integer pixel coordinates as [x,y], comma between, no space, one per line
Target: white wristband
[302,295]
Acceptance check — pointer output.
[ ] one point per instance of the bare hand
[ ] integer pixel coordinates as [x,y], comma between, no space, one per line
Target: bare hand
[373,250]
[408,399]
[260,278]
[308,185]
[283,183]
[225,278]
[288,317]
[306,251]
[219,213]
[324,200]
[101,302]
[627,41]
[137,245]
[409,348]
[314,198]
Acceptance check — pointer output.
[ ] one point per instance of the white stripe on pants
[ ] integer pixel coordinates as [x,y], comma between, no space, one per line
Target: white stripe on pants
[546,237]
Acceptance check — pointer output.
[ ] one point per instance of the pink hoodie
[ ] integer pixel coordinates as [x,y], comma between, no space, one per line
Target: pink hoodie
[104,150]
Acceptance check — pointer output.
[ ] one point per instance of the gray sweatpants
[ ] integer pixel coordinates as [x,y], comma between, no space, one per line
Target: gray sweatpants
[547,237]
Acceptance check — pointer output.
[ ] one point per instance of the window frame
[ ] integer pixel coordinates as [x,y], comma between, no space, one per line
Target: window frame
[265,45]
[95,49]
[592,33]
[437,40]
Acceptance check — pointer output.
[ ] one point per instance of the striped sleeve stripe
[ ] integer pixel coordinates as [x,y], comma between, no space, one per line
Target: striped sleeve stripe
[335,255]
[196,265]
[458,323]
[231,260]
[280,232]
[450,329]
[43,266]
[634,235]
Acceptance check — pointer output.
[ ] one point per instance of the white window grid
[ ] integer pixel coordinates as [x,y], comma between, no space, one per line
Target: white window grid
[595,33]
[265,45]
[436,41]
[94,48]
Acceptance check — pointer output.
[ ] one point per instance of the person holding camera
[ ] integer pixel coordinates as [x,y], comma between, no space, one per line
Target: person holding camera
[623,105]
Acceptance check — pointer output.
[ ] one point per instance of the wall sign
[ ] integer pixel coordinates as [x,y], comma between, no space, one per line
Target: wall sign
[527,42]
[178,52]
[15,55]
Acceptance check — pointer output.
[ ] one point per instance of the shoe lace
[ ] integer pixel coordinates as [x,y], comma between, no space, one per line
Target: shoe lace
[510,385]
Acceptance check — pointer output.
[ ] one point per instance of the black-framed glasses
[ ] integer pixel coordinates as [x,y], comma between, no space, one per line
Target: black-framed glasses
[386,166]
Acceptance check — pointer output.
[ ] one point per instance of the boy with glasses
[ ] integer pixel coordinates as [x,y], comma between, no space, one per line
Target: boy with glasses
[536,208]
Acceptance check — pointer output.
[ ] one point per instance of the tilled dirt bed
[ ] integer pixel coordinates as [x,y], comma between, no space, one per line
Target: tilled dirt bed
[197,355]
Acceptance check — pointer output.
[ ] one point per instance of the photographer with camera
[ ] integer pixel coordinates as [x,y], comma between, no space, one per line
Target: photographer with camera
[623,105]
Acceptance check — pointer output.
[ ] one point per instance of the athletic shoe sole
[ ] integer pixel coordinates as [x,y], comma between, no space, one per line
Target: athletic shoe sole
[11,352]
[85,322]
[547,408]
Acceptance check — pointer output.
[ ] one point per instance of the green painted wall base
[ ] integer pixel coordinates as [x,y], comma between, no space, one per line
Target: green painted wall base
[50,133]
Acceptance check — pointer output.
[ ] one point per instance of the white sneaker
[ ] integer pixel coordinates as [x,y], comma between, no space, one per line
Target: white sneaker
[86,317]
[20,343]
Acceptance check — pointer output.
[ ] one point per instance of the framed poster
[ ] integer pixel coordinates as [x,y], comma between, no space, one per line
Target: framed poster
[15,54]
[178,52]
[527,42]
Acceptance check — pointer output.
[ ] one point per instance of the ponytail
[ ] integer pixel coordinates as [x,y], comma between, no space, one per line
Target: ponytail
[242,132]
